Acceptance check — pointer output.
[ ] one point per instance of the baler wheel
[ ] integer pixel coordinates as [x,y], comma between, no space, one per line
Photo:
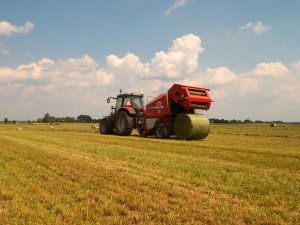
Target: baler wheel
[105,127]
[123,124]
[162,131]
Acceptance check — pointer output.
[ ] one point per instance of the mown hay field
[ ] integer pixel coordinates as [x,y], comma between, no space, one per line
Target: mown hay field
[70,174]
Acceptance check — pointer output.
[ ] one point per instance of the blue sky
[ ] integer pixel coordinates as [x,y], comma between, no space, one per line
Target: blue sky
[65,57]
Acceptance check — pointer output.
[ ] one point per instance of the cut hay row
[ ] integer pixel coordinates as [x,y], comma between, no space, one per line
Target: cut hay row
[87,178]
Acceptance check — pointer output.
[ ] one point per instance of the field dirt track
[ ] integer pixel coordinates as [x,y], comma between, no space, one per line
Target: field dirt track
[70,174]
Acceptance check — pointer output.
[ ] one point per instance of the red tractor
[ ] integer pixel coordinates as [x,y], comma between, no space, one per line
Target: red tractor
[170,113]
[125,116]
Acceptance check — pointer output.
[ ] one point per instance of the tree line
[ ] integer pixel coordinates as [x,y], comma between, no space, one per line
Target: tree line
[80,119]
[233,121]
[47,118]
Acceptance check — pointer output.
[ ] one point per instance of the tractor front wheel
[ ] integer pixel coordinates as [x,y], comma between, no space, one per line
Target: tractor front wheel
[105,127]
[123,123]
[162,131]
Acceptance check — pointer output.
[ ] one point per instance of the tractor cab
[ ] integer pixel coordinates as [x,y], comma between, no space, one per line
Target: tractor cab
[132,100]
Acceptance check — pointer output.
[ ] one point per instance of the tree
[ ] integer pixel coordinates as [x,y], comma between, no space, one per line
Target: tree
[84,119]
[248,121]
[48,119]
[69,119]
[5,120]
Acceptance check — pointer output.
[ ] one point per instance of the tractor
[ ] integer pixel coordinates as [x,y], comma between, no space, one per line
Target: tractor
[174,112]
[125,116]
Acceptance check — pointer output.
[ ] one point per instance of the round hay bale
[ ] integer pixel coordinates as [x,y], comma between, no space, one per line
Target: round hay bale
[191,126]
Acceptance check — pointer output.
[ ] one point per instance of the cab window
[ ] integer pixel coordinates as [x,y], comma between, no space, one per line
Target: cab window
[119,103]
[137,102]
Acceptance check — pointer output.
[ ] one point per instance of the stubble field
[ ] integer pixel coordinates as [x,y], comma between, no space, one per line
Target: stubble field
[70,174]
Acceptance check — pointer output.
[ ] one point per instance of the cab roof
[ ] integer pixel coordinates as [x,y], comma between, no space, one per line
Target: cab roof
[130,94]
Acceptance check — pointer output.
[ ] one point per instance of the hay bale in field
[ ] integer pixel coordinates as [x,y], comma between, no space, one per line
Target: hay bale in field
[20,128]
[273,124]
[96,127]
[191,126]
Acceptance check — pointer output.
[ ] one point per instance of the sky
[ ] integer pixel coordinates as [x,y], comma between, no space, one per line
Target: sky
[66,57]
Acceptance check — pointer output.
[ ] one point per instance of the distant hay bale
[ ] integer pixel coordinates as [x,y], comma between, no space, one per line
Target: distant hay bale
[273,124]
[95,127]
[191,126]
[20,128]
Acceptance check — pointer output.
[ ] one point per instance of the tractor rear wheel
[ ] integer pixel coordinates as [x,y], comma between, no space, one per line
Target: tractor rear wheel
[105,127]
[162,131]
[123,123]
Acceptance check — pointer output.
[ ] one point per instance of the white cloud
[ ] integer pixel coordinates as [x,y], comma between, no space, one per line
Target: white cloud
[276,69]
[268,92]
[46,63]
[219,76]
[266,77]
[247,85]
[56,86]
[7,29]
[295,67]
[6,73]
[30,71]
[258,28]
[177,4]
[180,60]
[104,78]
[79,85]
[71,73]
[130,64]
[86,63]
